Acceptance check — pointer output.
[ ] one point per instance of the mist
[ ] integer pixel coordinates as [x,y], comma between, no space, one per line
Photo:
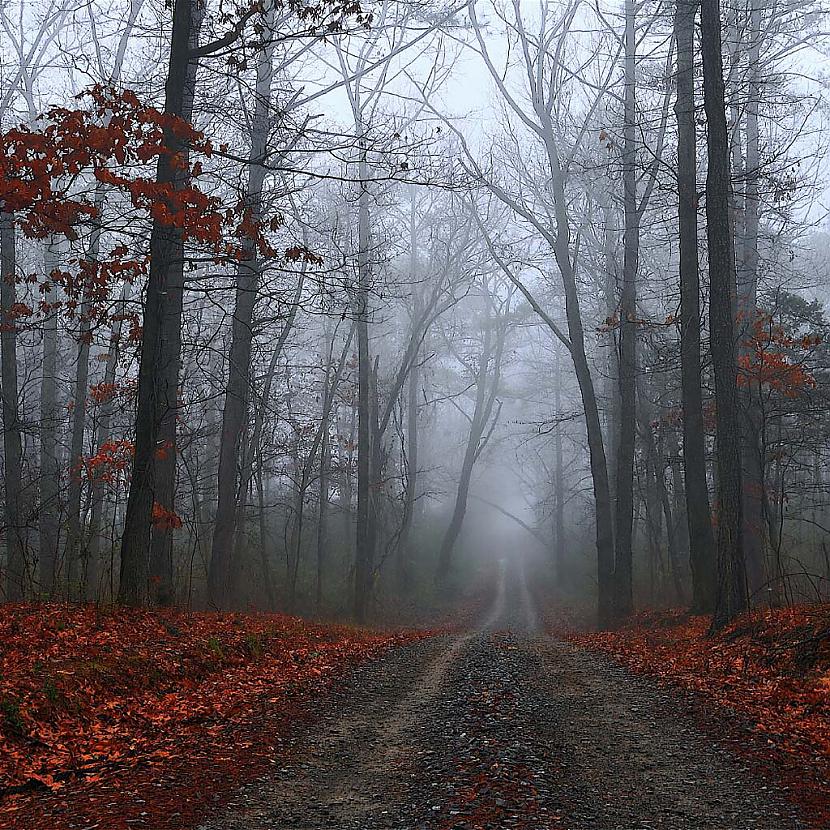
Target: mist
[402,392]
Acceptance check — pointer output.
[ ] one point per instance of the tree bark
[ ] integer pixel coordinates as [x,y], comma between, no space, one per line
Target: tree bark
[322,512]
[49,489]
[162,590]
[75,568]
[732,588]
[161,344]
[405,546]
[747,283]
[406,551]
[559,551]
[624,489]
[238,391]
[364,551]
[698,514]
[12,446]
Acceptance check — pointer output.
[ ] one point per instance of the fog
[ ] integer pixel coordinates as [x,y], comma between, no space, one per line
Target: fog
[329,312]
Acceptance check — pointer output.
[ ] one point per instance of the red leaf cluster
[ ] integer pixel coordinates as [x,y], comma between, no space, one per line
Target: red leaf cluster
[47,168]
[774,359]
[111,464]
[127,718]
[164,518]
[771,667]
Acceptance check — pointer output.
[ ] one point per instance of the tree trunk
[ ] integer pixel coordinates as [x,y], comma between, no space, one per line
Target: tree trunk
[611,382]
[75,567]
[671,534]
[732,588]
[252,455]
[322,513]
[238,392]
[49,492]
[487,387]
[12,445]
[593,426]
[364,553]
[92,551]
[376,465]
[161,343]
[405,546]
[558,479]
[347,487]
[747,283]
[265,565]
[624,489]
[162,591]
[698,514]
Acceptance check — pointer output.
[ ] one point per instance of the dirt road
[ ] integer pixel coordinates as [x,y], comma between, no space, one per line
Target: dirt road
[503,728]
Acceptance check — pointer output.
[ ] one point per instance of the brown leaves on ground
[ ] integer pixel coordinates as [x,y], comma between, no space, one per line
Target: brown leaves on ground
[771,669]
[126,718]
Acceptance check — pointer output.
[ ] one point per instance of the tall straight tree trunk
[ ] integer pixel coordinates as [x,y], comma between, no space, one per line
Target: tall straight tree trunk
[611,382]
[747,284]
[166,466]
[323,511]
[624,489]
[732,588]
[558,477]
[49,492]
[406,549]
[161,343]
[593,425]
[698,514]
[364,552]
[12,445]
[325,461]
[405,544]
[238,392]
[347,487]
[74,540]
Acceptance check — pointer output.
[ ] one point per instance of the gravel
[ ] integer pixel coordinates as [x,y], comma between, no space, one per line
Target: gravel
[502,728]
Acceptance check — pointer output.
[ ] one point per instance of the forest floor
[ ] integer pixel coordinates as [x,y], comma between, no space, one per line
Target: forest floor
[118,718]
[490,726]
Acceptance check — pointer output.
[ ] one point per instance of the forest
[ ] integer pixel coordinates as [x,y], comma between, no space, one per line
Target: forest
[415,414]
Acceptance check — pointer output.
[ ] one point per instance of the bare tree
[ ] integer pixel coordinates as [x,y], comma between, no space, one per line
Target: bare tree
[701,539]
[732,594]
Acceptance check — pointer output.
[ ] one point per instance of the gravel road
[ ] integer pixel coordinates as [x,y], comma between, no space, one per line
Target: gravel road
[502,727]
